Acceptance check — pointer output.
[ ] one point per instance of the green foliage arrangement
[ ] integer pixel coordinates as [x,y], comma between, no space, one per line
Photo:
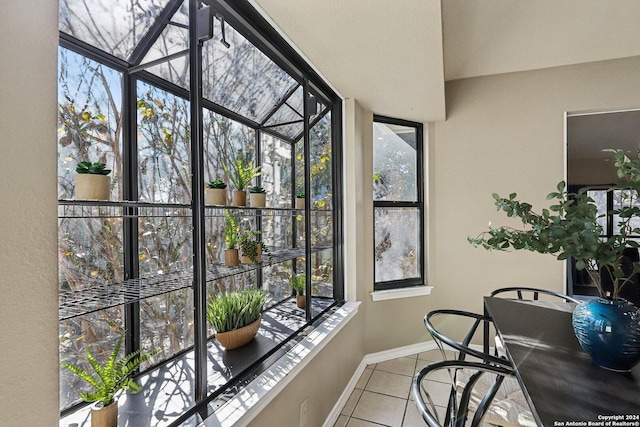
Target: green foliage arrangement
[249,246]
[217,183]
[113,376]
[233,310]
[257,189]
[240,172]
[298,283]
[231,230]
[300,194]
[96,168]
[570,228]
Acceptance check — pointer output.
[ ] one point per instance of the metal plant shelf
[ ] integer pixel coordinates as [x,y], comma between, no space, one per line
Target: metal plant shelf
[74,303]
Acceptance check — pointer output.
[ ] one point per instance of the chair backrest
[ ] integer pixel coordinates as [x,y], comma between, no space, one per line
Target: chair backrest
[525,293]
[466,389]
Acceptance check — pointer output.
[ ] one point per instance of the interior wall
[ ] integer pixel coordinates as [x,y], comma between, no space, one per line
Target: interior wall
[28,247]
[505,134]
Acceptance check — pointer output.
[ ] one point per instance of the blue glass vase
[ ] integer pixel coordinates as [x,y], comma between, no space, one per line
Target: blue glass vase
[609,331]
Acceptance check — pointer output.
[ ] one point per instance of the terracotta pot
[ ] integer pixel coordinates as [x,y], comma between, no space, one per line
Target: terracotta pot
[231,257]
[104,416]
[92,186]
[238,337]
[239,198]
[257,200]
[301,300]
[299,202]
[246,260]
[215,196]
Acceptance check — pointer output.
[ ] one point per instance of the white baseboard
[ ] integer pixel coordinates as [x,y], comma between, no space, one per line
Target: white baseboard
[369,359]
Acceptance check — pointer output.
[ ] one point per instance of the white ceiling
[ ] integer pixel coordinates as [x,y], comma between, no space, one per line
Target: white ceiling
[394,56]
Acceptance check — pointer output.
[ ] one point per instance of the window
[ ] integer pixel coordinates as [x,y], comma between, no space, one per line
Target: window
[398,203]
[148,259]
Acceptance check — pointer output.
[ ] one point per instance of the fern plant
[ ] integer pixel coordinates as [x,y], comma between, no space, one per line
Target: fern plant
[113,376]
[234,310]
[231,230]
[240,172]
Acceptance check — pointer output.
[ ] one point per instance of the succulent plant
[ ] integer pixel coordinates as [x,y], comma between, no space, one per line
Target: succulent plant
[96,168]
[216,183]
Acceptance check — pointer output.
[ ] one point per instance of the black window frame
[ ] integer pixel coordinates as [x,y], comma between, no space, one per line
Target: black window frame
[418,204]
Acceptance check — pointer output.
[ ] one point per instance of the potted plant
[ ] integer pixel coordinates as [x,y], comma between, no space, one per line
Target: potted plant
[92,181]
[608,328]
[231,240]
[299,283]
[235,316]
[114,375]
[300,199]
[215,193]
[257,197]
[251,249]
[240,172]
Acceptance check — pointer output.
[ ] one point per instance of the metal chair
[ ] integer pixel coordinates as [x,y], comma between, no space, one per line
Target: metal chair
[458,406]
[531,294]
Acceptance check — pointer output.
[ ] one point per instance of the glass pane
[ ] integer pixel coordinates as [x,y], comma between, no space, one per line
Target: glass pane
[89,120]
[321,164]
[276,171]
[600,198]
[397,244]
[624,198]
[240,77]
[394,162]
[164,153]
[164,245]
[114,26]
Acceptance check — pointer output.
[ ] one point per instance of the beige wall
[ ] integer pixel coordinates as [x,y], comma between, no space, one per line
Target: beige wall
[28,254]
[505,134]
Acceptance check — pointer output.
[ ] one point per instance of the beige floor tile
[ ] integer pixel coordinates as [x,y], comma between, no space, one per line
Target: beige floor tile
[355,422]
[380,408]
[441,375]
[401,365]
[412,417]
[351,402]
[387,383]
[341,421]
[436,355]
[438,391]
[364,378]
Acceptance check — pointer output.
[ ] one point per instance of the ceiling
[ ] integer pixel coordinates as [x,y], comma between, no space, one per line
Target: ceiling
[394,56]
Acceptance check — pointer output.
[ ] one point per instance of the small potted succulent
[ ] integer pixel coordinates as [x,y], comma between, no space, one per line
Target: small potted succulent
[113,376]
[300,199]
[215,193]
[257,197]
[92,181]
[236,316]
[231,240]
[299,282]
[240,173]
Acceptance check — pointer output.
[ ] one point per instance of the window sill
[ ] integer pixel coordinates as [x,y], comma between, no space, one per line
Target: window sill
[414,291]
[248,403]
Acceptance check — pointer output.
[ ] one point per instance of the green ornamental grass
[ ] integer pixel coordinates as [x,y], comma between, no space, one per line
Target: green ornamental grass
[234,310]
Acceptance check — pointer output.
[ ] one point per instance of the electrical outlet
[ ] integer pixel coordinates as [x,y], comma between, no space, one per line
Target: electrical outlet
[303,413]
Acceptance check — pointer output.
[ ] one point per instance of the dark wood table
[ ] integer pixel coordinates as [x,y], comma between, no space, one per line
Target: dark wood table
[560,382]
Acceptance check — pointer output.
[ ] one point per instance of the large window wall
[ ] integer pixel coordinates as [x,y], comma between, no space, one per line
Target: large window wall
[134,263]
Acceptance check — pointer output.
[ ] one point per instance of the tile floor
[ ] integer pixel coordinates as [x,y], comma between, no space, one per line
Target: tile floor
[382,396]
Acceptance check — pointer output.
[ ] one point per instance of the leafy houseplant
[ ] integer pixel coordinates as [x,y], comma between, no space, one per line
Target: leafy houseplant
[240,172]
[91,181]
[299,283]
[231,239]
[251,249]
[114,375]
[215,193]
[570,228]
[257,197]
[235,316]
[300,199]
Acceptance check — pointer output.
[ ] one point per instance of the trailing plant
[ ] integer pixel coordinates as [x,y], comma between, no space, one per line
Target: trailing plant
[249,246]
[298,283]
[231,230]
[570,228]
[300,194]
[240,172]
[114,375]
[257,189]
[96,168]
[217,183]
[234,310]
